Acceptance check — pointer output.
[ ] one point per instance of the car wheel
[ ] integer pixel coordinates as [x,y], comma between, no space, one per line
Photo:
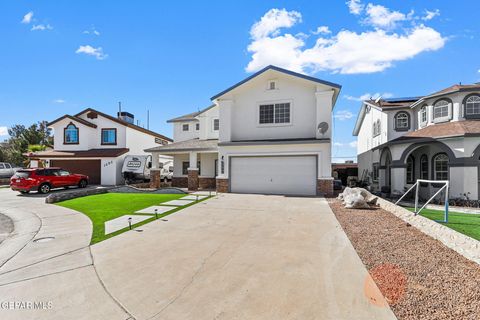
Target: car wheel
[44,188]
[83,183]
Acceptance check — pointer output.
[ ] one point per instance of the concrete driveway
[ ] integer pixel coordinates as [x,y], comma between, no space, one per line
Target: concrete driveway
[231,257]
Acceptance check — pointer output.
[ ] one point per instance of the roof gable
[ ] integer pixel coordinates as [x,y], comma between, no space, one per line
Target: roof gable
[278,69]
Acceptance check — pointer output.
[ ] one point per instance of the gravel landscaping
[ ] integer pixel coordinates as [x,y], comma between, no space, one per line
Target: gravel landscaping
[419,276]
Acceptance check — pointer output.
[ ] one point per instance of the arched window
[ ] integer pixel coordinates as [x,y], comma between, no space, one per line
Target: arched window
[70,134]
[402,121]
[440,166]
[424,167]
[410,169]
[472,106]
[440,110]
[423,115]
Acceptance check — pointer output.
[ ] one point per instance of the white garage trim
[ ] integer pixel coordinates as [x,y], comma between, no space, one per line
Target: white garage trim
[274,174]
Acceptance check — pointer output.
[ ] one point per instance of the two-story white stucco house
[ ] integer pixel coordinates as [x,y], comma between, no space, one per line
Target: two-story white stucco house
[270,133]
[94,143]
[435,137]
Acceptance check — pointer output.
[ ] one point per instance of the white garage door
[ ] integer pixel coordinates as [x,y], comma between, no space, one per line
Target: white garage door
[291,175]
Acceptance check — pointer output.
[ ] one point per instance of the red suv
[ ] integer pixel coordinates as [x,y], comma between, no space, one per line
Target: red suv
[43,180]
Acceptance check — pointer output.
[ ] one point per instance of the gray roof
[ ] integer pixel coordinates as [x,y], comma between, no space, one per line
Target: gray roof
[190,116]
[188,145]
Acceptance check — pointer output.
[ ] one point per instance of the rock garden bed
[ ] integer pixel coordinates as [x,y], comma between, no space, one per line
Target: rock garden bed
[419,276]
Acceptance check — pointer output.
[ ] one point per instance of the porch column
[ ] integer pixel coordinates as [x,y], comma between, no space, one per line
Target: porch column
[155,171]
[398,179]
[193,172]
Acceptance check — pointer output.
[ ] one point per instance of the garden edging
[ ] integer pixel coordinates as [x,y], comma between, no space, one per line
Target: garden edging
[464,245]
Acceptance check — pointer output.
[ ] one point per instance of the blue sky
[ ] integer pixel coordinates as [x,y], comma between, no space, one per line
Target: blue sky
[59,57]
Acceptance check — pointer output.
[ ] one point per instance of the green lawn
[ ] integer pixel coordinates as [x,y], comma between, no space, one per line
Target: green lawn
[468,224]
[108,206]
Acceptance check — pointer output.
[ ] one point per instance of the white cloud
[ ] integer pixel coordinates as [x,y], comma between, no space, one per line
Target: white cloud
[59,101]
[3,131]
[367,96]
[343,115]
[429,15]
[382,17]
[352,144]
[91,51]
[322,29]
[92,31]
[346,52]
[355,6]
[41,27]
[272,21]
[27,18]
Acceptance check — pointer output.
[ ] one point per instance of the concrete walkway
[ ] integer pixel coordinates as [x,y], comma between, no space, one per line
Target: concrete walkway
[240,257]
[231,257]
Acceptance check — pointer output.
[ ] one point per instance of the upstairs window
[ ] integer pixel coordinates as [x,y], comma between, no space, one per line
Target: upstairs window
[472,106]
[216,124]
[376,128]
[423,114]
[70,134]
[440,110]
[109,136]
[197,126]
[185,127]
[278,113]
[402,121]
[271,85]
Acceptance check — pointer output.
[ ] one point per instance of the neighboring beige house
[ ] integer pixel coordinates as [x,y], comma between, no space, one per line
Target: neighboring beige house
[94,143]
[435,137]
[270,133]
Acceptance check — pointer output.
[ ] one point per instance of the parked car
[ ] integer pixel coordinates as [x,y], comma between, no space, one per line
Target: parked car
[45,179]
[7,170]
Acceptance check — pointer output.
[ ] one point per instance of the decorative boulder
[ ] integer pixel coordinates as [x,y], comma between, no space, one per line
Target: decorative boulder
[357,198]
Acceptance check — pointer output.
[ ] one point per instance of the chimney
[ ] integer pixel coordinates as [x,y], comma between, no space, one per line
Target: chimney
[126,116]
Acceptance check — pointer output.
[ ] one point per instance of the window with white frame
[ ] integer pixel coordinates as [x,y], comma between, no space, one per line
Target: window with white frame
[472,106]
[440,167]
[424,167]
[410,169]
[402,121]
[277,113]
[376,128]
[423,114]
[440,109]
[216,124]
[197,126]
[185,127]
[272,85]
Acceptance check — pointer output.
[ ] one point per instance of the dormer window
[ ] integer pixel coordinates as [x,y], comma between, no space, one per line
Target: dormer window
[472,106]
[402,121]
[441,110]
[70,134]
[185,127]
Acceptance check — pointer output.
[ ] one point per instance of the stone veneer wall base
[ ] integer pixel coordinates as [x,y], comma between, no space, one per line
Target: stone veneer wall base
[464,245]
[222,185]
